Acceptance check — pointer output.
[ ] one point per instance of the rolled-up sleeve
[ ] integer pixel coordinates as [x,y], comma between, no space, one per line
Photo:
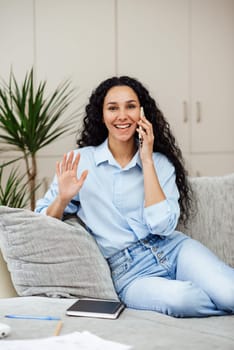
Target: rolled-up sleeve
[162,218]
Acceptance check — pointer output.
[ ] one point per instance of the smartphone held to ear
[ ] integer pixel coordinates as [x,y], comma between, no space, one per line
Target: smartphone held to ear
[140,137]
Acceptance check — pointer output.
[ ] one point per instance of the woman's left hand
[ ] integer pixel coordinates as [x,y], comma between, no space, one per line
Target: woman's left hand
[146,134]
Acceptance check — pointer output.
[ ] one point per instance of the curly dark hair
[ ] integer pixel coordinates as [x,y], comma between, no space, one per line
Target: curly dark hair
[94,132]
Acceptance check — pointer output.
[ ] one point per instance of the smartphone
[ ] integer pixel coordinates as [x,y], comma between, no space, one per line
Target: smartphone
[139,137]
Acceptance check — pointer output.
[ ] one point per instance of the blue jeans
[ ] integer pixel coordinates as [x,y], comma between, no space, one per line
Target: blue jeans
[175,275]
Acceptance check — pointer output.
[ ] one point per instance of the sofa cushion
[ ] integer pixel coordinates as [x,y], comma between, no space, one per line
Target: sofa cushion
[46,256]
[213,224]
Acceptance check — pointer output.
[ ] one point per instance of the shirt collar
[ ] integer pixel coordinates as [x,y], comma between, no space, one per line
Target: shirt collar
[103,154]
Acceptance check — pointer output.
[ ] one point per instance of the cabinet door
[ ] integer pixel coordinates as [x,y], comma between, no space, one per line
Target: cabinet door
[152,45]
[74,39]
[211,165]
[16,38]
[212,75]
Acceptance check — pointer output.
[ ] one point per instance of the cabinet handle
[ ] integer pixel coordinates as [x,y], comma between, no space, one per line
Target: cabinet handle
[185,111]
[198,107]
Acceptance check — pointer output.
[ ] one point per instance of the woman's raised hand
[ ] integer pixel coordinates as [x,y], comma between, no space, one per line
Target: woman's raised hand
[68,182]
[146,133]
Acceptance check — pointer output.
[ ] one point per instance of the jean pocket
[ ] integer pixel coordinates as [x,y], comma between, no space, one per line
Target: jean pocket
[120,269]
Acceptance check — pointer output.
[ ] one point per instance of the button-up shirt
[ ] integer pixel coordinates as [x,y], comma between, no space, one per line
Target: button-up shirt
[111,200]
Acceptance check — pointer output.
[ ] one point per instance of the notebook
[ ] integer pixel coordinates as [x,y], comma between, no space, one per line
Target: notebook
[100,308]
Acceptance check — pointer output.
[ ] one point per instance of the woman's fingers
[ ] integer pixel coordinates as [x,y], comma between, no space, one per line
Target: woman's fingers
[76,162]
[145,129]
[83,177]
[146,125]
[58,166]
[67,163]
[63,163]
[68,182]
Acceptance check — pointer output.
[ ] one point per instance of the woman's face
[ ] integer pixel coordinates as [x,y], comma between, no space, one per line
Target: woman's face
[121,112]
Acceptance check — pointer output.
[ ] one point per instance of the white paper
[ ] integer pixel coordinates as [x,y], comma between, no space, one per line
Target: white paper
[73,341]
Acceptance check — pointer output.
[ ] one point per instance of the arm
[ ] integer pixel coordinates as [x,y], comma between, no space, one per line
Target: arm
[68,184]
[161,207]
[153,191]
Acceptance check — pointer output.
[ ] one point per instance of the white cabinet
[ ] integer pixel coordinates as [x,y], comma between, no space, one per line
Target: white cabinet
[74,39]
[16,37]
[211,164]
[184,52]
[212,87]
[212,76]
[152,46]
[16,40]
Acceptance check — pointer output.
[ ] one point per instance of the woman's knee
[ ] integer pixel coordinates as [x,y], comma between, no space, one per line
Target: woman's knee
[174,298]
[224,298]
[188,301]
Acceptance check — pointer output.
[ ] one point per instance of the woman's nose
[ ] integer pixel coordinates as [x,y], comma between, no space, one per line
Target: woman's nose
[122,113]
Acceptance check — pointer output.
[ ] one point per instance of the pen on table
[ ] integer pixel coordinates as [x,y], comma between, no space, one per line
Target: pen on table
[31,317]
[58,328]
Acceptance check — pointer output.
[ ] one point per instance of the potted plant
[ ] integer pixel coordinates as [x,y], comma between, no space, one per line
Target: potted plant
[29,121]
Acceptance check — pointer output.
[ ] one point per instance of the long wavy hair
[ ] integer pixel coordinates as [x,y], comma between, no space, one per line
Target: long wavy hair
[94,132]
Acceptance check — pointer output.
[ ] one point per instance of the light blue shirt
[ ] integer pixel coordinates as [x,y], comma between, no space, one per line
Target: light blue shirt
[111,201]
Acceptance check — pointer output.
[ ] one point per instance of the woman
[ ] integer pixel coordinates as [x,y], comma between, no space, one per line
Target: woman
[130,195]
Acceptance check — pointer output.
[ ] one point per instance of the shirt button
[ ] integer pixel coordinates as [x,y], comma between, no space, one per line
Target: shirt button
[154,249]
[159,255]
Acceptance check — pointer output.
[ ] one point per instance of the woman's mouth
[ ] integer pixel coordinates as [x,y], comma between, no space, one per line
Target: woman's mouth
[122,126]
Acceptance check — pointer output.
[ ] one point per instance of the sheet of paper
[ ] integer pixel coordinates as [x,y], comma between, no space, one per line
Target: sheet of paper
[73,341]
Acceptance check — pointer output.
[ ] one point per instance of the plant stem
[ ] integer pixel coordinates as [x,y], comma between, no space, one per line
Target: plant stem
[33,182]
[31,173]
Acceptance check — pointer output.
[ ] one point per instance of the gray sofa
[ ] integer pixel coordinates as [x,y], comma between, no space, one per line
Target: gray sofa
[50,287]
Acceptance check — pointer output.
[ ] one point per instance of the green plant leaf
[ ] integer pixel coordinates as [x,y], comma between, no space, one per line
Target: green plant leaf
[14,193]
[12,161]
[29,120]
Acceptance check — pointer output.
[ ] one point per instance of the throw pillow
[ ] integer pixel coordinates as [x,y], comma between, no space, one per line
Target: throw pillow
[46,256]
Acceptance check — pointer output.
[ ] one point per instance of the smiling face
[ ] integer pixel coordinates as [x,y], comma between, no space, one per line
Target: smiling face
[121,112]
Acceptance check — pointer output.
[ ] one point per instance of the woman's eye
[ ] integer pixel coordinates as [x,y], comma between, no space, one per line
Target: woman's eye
[112,108]
[131,106]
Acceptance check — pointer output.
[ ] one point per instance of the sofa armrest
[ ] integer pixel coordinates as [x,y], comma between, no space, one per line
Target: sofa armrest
[6,287]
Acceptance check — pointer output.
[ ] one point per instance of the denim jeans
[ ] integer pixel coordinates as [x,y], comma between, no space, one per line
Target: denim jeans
[174,275]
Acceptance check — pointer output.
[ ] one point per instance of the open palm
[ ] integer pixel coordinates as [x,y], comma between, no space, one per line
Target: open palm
[66,171]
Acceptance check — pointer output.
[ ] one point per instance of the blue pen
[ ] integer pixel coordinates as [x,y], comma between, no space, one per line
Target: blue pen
[31,317]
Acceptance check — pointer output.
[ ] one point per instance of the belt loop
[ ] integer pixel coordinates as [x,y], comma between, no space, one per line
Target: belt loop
[127,254]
